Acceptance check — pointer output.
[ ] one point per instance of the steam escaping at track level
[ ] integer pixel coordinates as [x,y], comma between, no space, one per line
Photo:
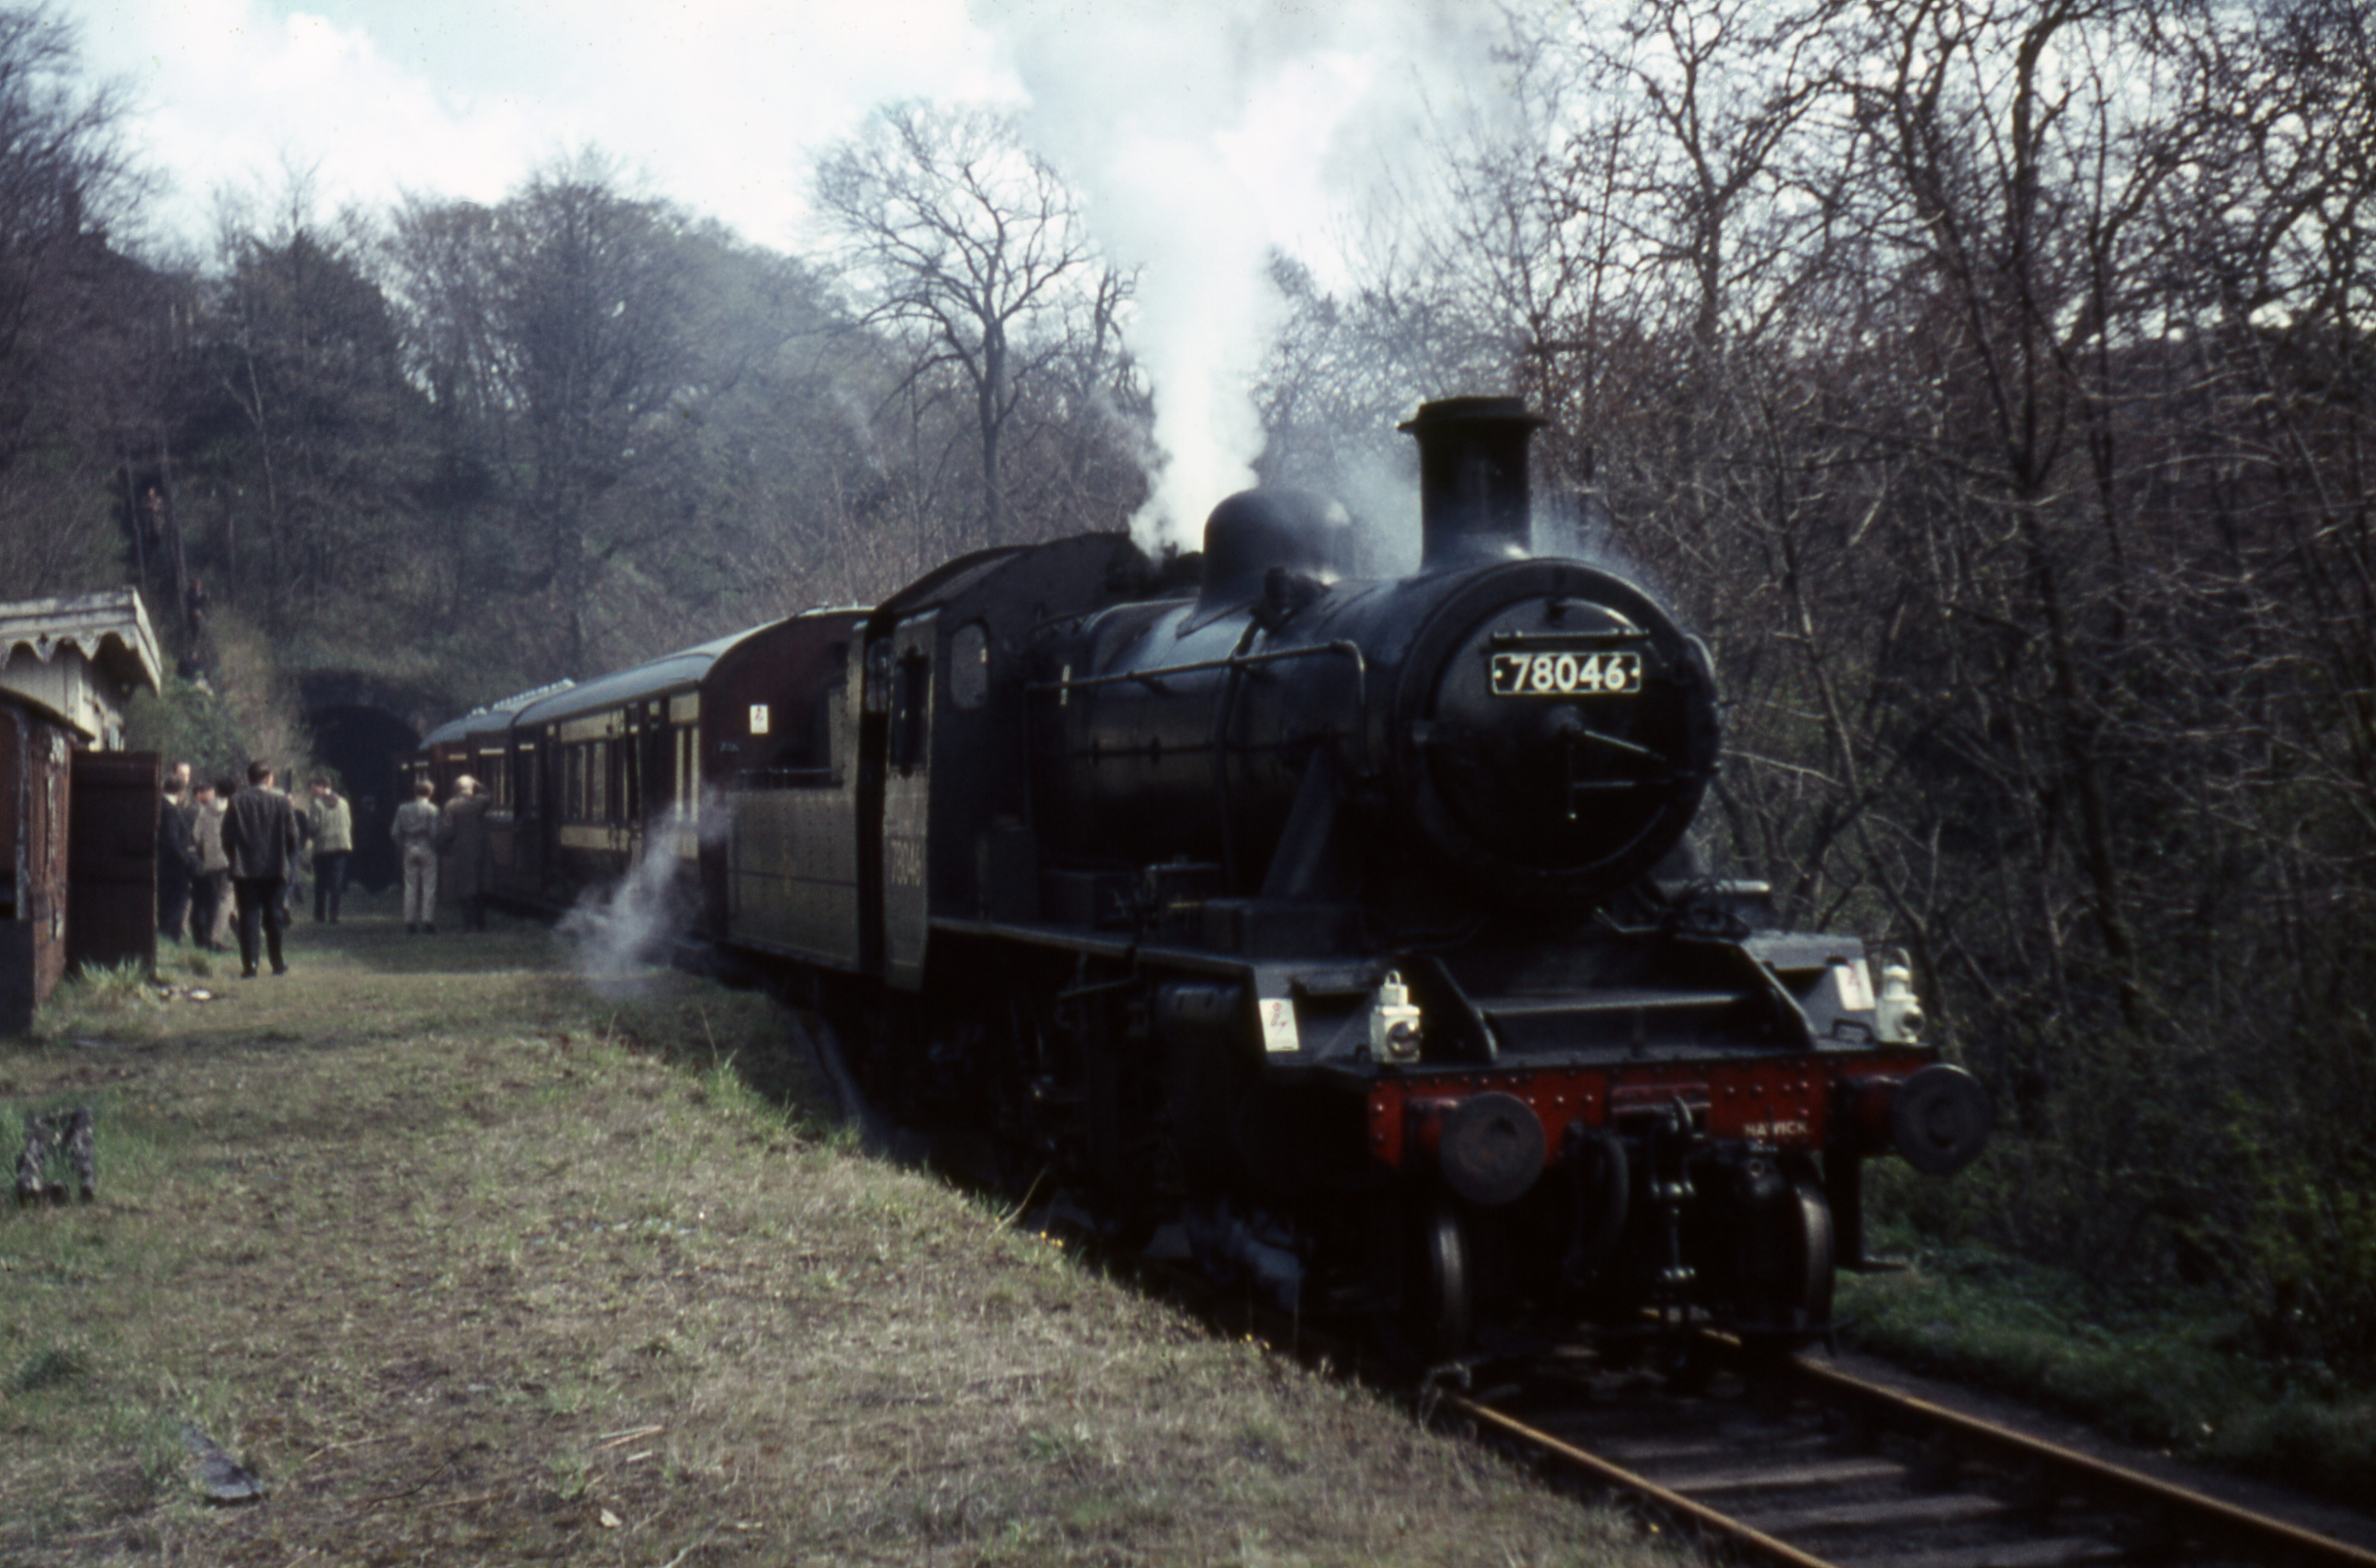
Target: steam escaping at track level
[617,932]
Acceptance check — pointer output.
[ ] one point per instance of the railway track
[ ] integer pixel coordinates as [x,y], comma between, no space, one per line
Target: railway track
[1808,1466]
[1797,1463]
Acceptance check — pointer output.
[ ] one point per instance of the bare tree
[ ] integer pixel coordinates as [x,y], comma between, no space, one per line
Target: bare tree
[81,324]
[302,437]
[973,251]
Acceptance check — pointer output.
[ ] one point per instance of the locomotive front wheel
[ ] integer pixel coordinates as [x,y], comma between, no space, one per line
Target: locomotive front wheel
[1800,1308]
[1439,1308]
[1810,1294]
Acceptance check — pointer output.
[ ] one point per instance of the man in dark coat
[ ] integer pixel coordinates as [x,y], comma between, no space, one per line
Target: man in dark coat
[261,838]
[464,833]
[177,855]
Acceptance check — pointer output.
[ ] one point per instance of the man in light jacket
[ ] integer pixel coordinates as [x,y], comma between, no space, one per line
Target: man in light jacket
[212,888]
[333,822]
[416,830]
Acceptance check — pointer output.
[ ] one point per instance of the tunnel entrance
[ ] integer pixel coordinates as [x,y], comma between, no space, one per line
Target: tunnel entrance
[362,745]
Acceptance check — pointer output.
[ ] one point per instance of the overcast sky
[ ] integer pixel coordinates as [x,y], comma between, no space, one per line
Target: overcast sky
[716,101]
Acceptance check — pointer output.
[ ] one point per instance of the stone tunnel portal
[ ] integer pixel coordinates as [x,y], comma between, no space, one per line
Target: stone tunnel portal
[364,744]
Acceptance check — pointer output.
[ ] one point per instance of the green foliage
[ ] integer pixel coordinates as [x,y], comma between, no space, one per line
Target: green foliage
[244,709]
[2159,1367]
[187,721]
[2309,1254]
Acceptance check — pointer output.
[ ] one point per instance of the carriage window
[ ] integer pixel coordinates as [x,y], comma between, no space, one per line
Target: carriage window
[970,665]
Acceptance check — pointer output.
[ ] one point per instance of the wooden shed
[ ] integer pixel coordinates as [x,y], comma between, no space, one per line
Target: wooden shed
[78,813]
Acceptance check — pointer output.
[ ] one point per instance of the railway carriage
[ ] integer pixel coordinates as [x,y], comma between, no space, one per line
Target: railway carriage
[651,759]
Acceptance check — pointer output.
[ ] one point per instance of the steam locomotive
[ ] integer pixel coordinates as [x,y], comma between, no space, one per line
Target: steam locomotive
[1342,934]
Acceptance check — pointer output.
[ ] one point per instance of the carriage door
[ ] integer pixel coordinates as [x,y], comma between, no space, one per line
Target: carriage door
[907,801]
[528,815]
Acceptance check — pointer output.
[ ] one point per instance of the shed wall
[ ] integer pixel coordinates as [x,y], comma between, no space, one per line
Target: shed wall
[36,765]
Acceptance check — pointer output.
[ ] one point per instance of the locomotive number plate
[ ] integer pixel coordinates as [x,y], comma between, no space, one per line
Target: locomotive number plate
[1566,674]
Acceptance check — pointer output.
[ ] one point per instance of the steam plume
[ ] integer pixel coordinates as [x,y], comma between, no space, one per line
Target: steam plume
[1205,138]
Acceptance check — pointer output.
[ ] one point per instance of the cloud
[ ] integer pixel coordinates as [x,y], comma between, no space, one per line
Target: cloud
[231,97]
[718,103]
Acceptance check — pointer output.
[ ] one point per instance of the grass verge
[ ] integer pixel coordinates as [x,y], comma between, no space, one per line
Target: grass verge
[2174,1372]
[473,1265]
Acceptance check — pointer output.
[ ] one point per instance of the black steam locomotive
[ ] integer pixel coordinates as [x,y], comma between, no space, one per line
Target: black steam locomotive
[1343,933]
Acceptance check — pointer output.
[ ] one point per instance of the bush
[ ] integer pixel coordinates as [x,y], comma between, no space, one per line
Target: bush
[219,723]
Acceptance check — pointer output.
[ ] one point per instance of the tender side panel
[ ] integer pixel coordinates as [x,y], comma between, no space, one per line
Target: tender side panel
[772,797]
[793,873]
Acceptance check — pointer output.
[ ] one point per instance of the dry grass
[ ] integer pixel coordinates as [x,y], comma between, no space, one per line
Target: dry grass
[473,1266]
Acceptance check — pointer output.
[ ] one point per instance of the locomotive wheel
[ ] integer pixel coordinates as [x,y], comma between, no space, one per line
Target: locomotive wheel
[1438,1310]
[1809,1297]
[1800,1308]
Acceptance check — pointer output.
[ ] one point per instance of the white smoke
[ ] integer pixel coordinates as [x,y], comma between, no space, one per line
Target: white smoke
[617,933]
[1206,137]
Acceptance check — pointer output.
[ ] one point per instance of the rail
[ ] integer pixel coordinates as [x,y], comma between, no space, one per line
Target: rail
[2137,1517]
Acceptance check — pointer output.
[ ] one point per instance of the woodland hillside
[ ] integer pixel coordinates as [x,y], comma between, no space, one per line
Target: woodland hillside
[1991,384]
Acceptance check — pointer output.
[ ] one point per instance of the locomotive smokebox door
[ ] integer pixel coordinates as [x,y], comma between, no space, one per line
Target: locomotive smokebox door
[1558,731]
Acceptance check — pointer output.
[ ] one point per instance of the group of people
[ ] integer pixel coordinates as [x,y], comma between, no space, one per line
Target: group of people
[228,858]
[423,833]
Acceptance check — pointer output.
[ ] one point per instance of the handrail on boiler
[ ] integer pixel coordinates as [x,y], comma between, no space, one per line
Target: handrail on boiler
[1064,684]
[1156,677]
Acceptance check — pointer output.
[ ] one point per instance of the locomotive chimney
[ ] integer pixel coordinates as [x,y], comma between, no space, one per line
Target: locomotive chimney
[1473,497]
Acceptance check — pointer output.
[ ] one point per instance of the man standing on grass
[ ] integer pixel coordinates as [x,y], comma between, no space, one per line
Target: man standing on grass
[416,831]
[464,835]
[334,840]
[261,838]
[177,854]
[213,884]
